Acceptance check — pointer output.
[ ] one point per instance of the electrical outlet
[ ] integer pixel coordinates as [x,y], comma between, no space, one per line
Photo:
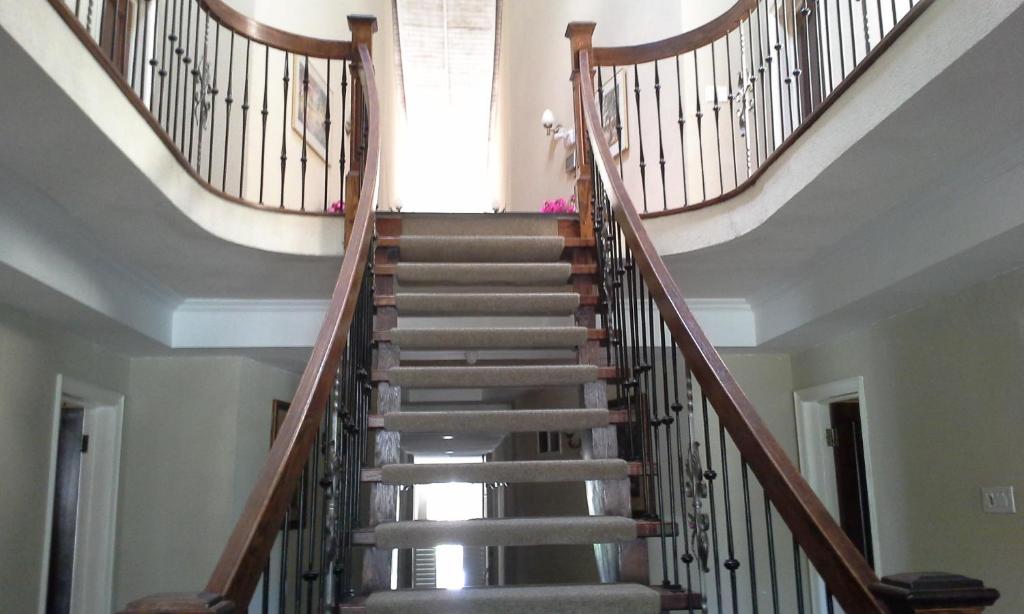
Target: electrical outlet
[998,500]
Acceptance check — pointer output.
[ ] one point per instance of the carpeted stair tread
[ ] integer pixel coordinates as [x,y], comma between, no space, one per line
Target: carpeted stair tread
[470,304]
[475,224]
[563,530]
[441,248]
[503,421]
[564,599]
[476,274]
[512,472]
[492,376]
[490,338]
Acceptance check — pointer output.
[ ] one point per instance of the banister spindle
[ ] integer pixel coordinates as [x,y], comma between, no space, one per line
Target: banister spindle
[661,143]
[710,475]
[228,100]
[640,134]
[751,561]
[264,113]
[825,35]
[699,115]
[666,420]
[681,122]
[770,537]
[717,110]
[243,153]
[304,158]
[213,99]
[181,80]
[751,86]
[731,563]
[732,109]
[327,134]
[764,64]
[284,126]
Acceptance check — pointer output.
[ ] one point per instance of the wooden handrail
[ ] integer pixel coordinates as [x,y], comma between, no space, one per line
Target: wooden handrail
[845,571]
[674,45]
[243,559]
[274,37]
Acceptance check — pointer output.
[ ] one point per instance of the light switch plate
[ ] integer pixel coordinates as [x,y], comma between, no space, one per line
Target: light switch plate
[998,500]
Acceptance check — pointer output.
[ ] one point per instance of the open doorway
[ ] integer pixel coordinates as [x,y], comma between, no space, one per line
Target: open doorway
[449,566]
[835,458]
[78,566]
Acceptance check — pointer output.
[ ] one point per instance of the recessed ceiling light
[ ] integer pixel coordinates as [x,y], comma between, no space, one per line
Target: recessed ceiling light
[448,437]
[449,452]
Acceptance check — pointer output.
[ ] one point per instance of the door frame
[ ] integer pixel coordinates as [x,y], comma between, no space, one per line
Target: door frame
[103,409]
[811,406]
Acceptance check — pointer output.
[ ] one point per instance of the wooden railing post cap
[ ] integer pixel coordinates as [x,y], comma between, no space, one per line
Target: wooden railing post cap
[580,30]
[362,27]
[910,593]
[181,603]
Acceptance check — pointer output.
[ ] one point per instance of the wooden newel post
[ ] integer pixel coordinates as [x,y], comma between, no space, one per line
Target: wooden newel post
[362,28]
[934,593]
[581,36]
[181,603]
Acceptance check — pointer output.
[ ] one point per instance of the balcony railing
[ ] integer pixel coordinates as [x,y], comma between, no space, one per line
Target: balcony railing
[257,115]
[695,119]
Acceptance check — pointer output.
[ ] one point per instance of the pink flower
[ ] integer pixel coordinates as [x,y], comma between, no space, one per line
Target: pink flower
[560,206]
[337,207]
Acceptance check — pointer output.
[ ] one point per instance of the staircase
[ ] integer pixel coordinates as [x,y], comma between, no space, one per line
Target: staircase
[502,305]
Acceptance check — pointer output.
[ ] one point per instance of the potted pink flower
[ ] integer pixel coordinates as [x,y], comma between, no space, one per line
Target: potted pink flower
[337,208]
[560,206]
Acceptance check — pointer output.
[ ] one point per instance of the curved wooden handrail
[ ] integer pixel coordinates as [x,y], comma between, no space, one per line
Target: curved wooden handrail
[241,563]
[280,39]
[846,572]
[674,45]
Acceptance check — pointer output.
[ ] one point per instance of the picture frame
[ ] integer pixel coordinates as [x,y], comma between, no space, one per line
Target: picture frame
[614,109]
[315,108]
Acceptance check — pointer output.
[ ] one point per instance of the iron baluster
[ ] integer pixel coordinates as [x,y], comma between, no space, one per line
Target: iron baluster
[681,121]
[661,144]
[699,114]
[327,134]
[213,99]
[284,126]
[304,158]
[228,100]
[242,154]
[640,134]
[264,113]
[717,110]
[750,537]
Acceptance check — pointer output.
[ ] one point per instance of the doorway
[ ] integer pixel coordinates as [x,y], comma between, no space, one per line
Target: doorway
[835,458]
[78,566]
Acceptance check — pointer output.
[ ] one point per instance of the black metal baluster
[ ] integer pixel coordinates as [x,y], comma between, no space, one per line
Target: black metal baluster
[284,126]
[770,530]
[798,577]
[140,42]
[731,563]
[681,121]
[327,134]
[853,35]
[827,37]
[309,576]
[164,64]
[779,69]
[789,69]
[808,42]
[716,108]
[305,106]
[618,249]
[634,385]
[895,19]
[213,99]
[265,592]
[685,531]
[696,488]
[700,128]
[767,126]
[282,576]
[881,21]
[840,46]
[264,112]
[710,476]
[198,84]
[640,134]
[243,154]
[190,91]
[752,85]
[650,375]
[667,419]
[750,537]
[228,100]
[152,62]
[341,145]
[732,108]
[182,89]
[661,144]
[618,113]
[300,543]
[797,63]
[113,32]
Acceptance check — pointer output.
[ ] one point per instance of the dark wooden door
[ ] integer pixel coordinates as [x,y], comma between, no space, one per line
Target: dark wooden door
[70,439]
[851,477]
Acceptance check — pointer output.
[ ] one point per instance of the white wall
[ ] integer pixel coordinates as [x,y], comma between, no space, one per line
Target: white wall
[196,433]
[943,387]
[31,356]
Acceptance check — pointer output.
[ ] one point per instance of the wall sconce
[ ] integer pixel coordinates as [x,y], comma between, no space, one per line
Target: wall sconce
[555,130]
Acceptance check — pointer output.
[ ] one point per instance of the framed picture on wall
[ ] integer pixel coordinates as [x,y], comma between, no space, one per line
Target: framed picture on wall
[615,111]
[312,118]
